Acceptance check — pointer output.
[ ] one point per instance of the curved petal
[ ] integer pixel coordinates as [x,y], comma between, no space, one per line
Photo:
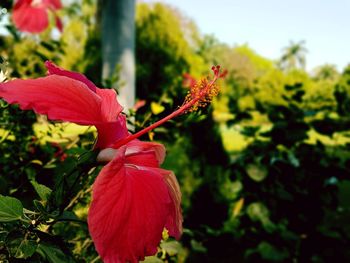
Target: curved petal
[174,220]
[110,132]
[28,18]
[59,24]
[55,70]
[131,205]
[60,98]
[110,108]
[64,96]
[137,152]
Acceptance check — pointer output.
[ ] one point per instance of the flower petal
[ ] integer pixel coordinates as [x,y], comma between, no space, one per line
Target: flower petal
[59,24]
[58,97]
[137,152]
[174,220]
[110,132]
[131,205]
[28,18]
[55,70]
[110,108]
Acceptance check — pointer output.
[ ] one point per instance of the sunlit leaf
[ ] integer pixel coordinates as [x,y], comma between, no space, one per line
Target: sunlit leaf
[42,190]
[37,162]
[171,247]
[256,172]
[157,108]
[257,211]
[238,207]
[152,259]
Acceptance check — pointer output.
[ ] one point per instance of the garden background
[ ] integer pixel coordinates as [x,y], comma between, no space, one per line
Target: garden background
[264,170]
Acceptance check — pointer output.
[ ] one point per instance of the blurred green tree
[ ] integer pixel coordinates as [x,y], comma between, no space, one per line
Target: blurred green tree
[293,56]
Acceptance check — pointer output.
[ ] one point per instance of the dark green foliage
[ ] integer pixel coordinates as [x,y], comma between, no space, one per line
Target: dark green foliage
[45,190]
[293,195]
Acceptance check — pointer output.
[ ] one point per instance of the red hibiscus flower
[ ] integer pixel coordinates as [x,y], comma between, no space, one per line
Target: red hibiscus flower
[32,15]
[133,198]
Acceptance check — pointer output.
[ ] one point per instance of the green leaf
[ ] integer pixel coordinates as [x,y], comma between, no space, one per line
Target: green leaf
[52,254]
[258,212]
[152,259]
[271,253]
[256,172]
[39,206]
[11,209]
[87,158]
[68,216]
[231,189]
[42,190]
[23,248]
[197,246]
[171,247]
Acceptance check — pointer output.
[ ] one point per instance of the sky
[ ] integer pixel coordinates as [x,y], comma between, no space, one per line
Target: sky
[268,26]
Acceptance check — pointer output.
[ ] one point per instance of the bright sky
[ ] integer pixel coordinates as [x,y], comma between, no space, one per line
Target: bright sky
[268,26]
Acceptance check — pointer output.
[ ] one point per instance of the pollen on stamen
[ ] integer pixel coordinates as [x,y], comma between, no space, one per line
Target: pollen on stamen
[202,93]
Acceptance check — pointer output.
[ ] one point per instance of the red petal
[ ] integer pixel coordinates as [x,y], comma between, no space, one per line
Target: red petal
[174,220]
[28,18]
[139,104]
[110,107]
[55,70]
[137,152]
[59,24]
[58,97]
[110,132]
[69,99]
[131,205]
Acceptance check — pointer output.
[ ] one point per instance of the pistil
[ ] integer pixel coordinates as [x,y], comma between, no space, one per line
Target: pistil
[199,96]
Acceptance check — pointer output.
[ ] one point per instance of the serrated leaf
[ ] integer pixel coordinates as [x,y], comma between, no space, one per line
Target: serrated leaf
[11,209]
[42,190]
